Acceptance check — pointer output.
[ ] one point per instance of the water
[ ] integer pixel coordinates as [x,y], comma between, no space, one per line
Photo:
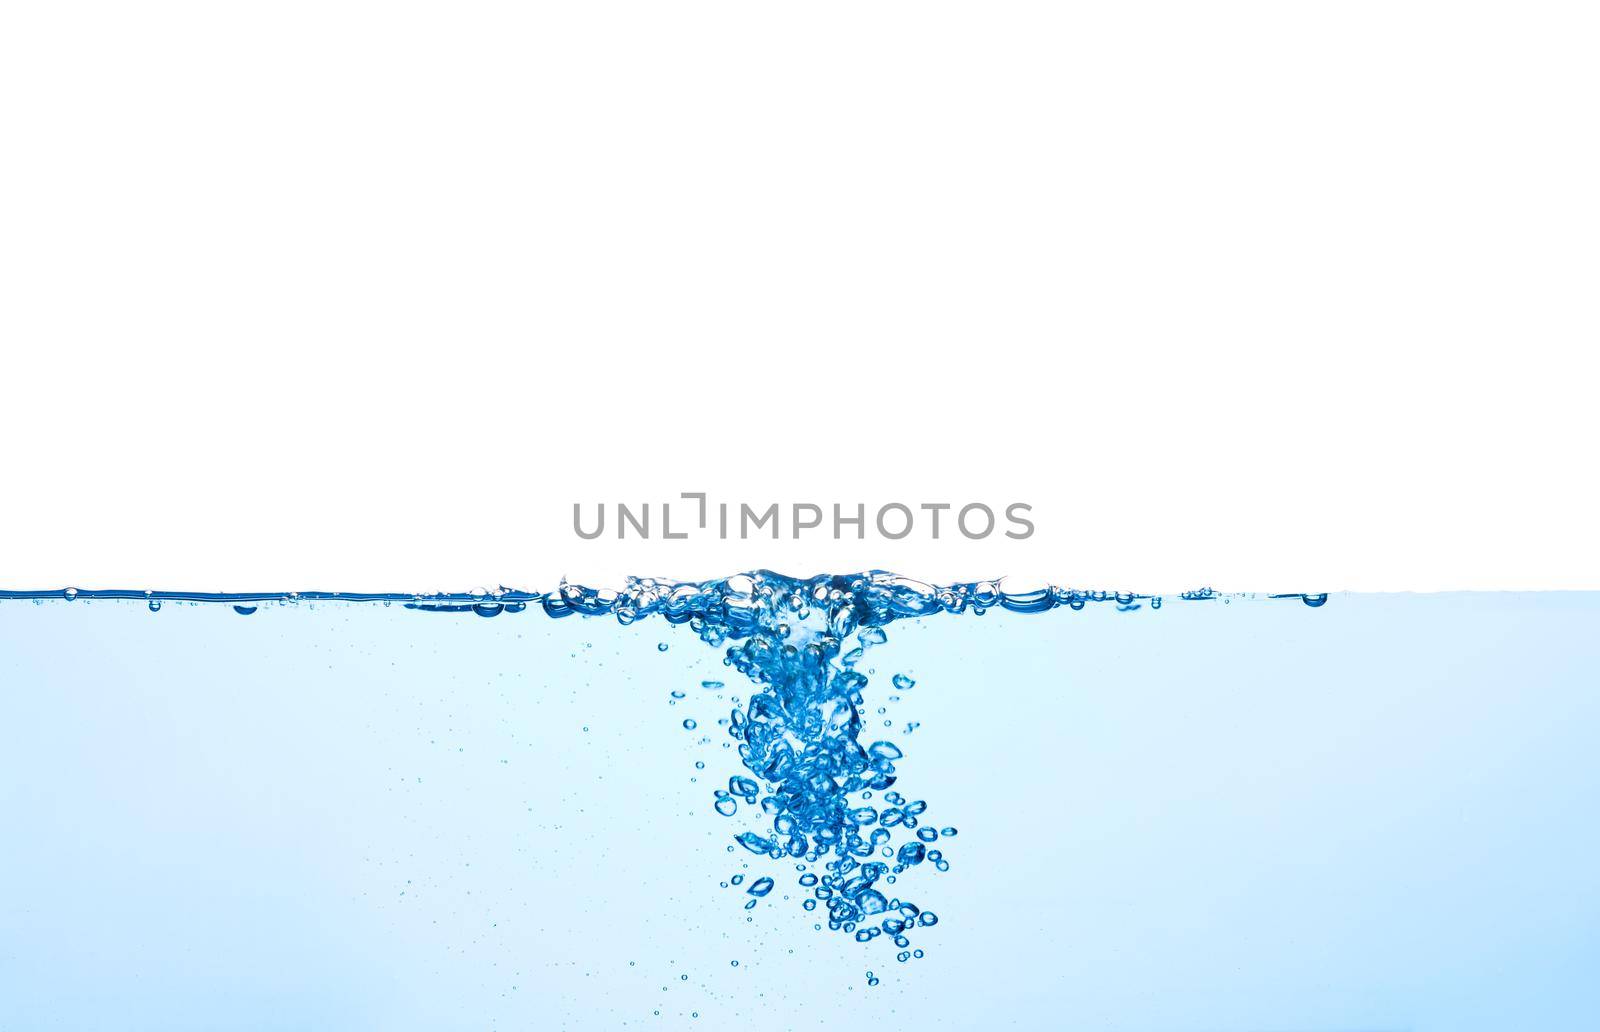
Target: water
[703,807]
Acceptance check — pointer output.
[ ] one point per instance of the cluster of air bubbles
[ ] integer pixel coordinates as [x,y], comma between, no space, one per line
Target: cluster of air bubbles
[821,789]
[738,788]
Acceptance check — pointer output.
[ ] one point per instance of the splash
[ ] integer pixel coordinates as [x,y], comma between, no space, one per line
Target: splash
[827,799]
[801,734]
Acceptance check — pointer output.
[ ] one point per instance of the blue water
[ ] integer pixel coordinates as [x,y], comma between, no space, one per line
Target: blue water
[688,808]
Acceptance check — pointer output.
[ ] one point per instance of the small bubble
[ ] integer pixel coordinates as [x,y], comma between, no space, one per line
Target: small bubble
[661,646]
[689,725]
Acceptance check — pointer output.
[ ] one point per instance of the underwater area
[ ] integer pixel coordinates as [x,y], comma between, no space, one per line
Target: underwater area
[764,802]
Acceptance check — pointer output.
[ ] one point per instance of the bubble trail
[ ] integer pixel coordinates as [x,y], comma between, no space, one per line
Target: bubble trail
[800,735]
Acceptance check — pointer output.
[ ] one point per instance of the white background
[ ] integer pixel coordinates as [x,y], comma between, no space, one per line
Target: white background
[364,296]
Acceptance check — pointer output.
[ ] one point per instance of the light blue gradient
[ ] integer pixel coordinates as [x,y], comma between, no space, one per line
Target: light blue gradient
[1221,815]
